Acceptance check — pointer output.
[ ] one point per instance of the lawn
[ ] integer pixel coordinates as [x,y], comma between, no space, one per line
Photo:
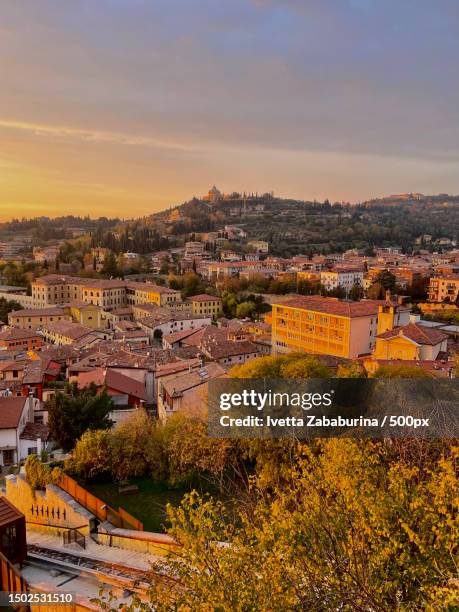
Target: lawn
[148,505]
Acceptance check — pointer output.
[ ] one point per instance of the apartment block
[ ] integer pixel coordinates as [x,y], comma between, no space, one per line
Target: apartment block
[325,326]
[444,288]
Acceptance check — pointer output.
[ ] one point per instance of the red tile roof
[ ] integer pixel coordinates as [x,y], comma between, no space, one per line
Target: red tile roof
[416,333]
[334,306]
[11,409]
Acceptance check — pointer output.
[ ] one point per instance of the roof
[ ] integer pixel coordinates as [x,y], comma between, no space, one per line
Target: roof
[38,312]
[417,333]
[334,306]
[179,335]
[150,287]
[68,329]
[179,384]
[13,333]
[204,297]
[228,348]
[11,409]
[8,512]
[113,380]
[33,431]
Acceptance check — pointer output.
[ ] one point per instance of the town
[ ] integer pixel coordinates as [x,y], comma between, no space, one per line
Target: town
[133,319]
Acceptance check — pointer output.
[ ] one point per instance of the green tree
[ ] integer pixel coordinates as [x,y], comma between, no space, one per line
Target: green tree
[7,306]
[73,412]
[245,310]
[110,266]
[386,279]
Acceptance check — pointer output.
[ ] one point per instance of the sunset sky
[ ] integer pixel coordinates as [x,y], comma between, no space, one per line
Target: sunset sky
[125,107]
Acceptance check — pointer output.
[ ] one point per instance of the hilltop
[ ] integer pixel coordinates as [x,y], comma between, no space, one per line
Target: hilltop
[297,226]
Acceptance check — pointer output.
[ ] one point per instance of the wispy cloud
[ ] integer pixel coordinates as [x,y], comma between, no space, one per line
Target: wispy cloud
[97,136]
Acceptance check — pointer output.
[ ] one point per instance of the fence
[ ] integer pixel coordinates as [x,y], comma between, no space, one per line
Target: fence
[104,512]
[11,579]
[73,535]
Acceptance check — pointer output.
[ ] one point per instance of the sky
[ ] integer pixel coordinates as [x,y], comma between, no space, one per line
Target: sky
[126,107]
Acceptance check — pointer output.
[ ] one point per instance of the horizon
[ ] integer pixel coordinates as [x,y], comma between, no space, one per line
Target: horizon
[124,109]
[172,206]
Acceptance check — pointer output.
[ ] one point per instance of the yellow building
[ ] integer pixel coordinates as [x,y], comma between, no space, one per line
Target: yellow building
[411,342]
[107,294]
[149,293]
[86,314]
[326,326]
[444,288]
[206,304]
[35,318]
[56,289]
[65,332]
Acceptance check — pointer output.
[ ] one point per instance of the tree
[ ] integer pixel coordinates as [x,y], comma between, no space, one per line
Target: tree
[245,310]
[386,279]
[376,292]
[91,457]
[356,292]
[293,365]
[7,306]
[345,531]
[73,412]
[134,447]
[38,474]
[400,371]
[110,267]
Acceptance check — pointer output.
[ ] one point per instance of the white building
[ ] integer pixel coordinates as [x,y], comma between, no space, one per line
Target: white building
[344,279]
[19,435]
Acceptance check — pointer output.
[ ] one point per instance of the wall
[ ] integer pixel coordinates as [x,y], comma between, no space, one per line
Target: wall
[55,506]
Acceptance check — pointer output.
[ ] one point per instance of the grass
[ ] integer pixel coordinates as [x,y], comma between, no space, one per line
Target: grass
[148,505]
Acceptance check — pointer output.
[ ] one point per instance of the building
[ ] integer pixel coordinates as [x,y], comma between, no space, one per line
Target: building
[185,391]
[123,390]
[205,304]
[259,246]
[327,326]
[16,413]
[149,293]
[106,294]
[411,342]
[213,196]
[12,534]
[65,332]
[20,339]
[86,314]
[35,318]
[444,288]
[341,279]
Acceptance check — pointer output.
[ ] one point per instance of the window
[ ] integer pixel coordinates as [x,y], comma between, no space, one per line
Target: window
[8,457]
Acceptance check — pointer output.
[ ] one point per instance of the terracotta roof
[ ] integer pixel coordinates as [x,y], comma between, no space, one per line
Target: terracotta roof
[8,512]
[33,431]
[38,312]
[68,329]
[228,348]
[11,409]
[113,380]
[13,333]
[334,306]
[179,335]
[417,333]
